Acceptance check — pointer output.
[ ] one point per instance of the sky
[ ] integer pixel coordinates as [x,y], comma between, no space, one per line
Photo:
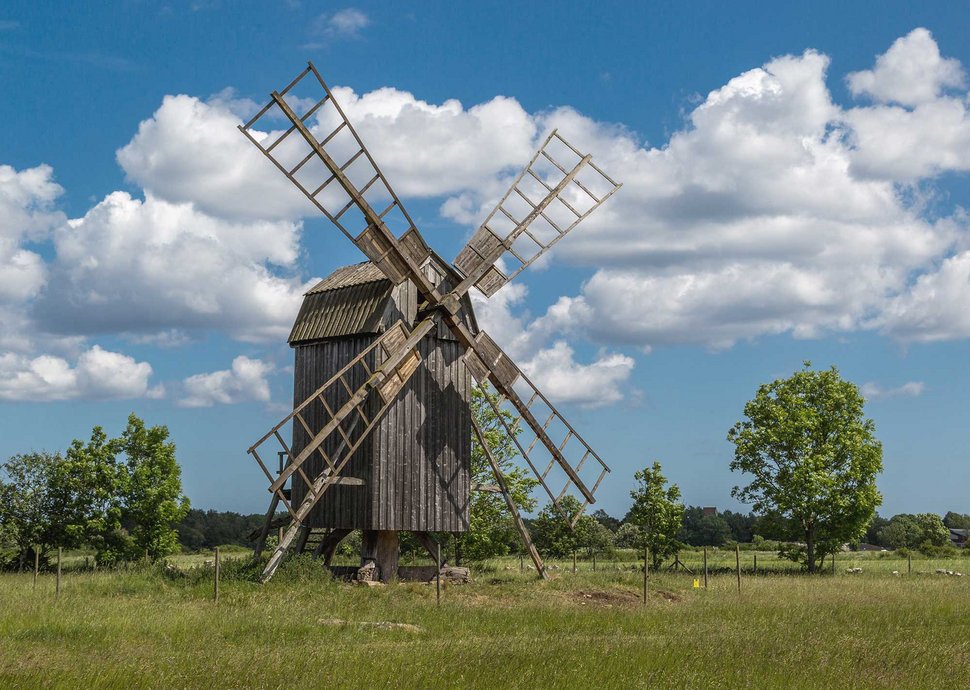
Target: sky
[794,188]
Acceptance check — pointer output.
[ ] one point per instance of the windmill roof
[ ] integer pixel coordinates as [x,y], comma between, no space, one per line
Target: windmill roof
[348,276]
[359,299]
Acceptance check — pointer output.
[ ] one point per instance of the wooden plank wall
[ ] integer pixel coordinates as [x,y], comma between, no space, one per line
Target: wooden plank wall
[416,466]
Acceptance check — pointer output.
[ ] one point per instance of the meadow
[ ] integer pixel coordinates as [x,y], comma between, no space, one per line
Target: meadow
[142,628]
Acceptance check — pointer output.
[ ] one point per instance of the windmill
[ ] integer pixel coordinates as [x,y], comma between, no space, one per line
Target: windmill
[380,434]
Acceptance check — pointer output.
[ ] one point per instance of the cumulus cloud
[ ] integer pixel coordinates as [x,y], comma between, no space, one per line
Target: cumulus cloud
[758,219]
[873,391]
[911,72]
[346,23]
[245,381]
[152,266]
[97,374]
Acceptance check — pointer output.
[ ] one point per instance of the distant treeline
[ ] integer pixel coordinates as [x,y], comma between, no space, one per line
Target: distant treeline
[205,529]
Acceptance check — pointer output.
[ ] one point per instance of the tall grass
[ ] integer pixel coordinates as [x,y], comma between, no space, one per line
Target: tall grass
[140,628]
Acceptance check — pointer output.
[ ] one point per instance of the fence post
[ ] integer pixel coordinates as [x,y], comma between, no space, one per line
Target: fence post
[755,562]
[909,564]
[574,561]
[737,562]
[521,566]
[594,561]
[646,572]
[833,564]
[705,567]
[36,564]
[215,587]
[57,588]
[437,578]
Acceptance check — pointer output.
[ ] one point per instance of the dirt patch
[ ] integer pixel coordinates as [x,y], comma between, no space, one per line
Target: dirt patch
[606,598]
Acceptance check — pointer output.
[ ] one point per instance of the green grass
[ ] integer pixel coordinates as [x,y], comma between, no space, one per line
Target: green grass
[138,628]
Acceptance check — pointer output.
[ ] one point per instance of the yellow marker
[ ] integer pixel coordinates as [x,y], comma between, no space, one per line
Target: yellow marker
[697,583]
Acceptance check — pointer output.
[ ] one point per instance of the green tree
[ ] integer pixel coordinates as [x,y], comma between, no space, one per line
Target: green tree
[703,530]
[873,529]
[86,497]
[956,520]
[657,509]
[629,536]
[914,531]
[26,502]
[151,487]
[813,457]
[492,528]
[553,535]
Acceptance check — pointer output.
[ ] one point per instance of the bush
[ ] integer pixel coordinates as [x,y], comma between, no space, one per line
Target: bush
[935,551]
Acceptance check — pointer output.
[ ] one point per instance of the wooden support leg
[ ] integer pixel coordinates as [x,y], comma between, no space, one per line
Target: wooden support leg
[328,545]
[264,532]
[431,546]
[380,550]
[517,518]
[301,538]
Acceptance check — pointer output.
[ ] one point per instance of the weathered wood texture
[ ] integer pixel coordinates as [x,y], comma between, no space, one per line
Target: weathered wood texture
[416,465]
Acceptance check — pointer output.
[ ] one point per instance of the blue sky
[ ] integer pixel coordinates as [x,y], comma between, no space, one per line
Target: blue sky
[795,183]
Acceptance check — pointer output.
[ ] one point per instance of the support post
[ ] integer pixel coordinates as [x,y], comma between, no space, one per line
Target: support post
[264,530]
[756,563]
[737,563]
[437,578]
[513,509]
[646,572]
[36,564]
[215,590]
[521,564]
[57,588]
[705,567]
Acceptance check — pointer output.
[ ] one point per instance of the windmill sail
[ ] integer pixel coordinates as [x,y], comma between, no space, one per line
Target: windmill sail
[558,189]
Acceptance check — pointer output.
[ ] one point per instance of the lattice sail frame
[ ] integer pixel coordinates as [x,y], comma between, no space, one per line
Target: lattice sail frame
[309,169]
[578,466]
[526,223]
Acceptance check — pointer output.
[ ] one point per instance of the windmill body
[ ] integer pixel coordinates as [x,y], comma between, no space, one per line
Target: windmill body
[387,351]
[413,473]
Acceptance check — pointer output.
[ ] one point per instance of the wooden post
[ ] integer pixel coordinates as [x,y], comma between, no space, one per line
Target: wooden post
[646,571]
[521,564]
[36,564]
[755,562]
[705,567]
[57,589]
[594,561]
[737,562]
[437,578]
[909,564]
[833,564]
[574,561]
[215,588]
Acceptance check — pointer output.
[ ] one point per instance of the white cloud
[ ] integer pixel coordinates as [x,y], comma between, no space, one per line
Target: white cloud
[563,380]
[771,213]
[97,374]
[912,389]
[245,381]
[347,23]
[151,266]
[911,72]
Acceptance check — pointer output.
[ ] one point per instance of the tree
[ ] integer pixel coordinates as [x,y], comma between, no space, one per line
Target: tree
[813,457]
[873,529]
[25,502]
[629,536]
[703,530]
[553,536]
[607,520]
[914,531]
[491,529]
[658,511]
[151,489]
[85,497]
[956,520]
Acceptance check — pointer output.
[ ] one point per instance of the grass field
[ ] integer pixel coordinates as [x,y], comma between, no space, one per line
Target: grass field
[139,628]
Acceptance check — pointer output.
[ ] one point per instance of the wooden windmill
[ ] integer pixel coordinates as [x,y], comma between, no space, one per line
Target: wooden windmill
[380,435]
